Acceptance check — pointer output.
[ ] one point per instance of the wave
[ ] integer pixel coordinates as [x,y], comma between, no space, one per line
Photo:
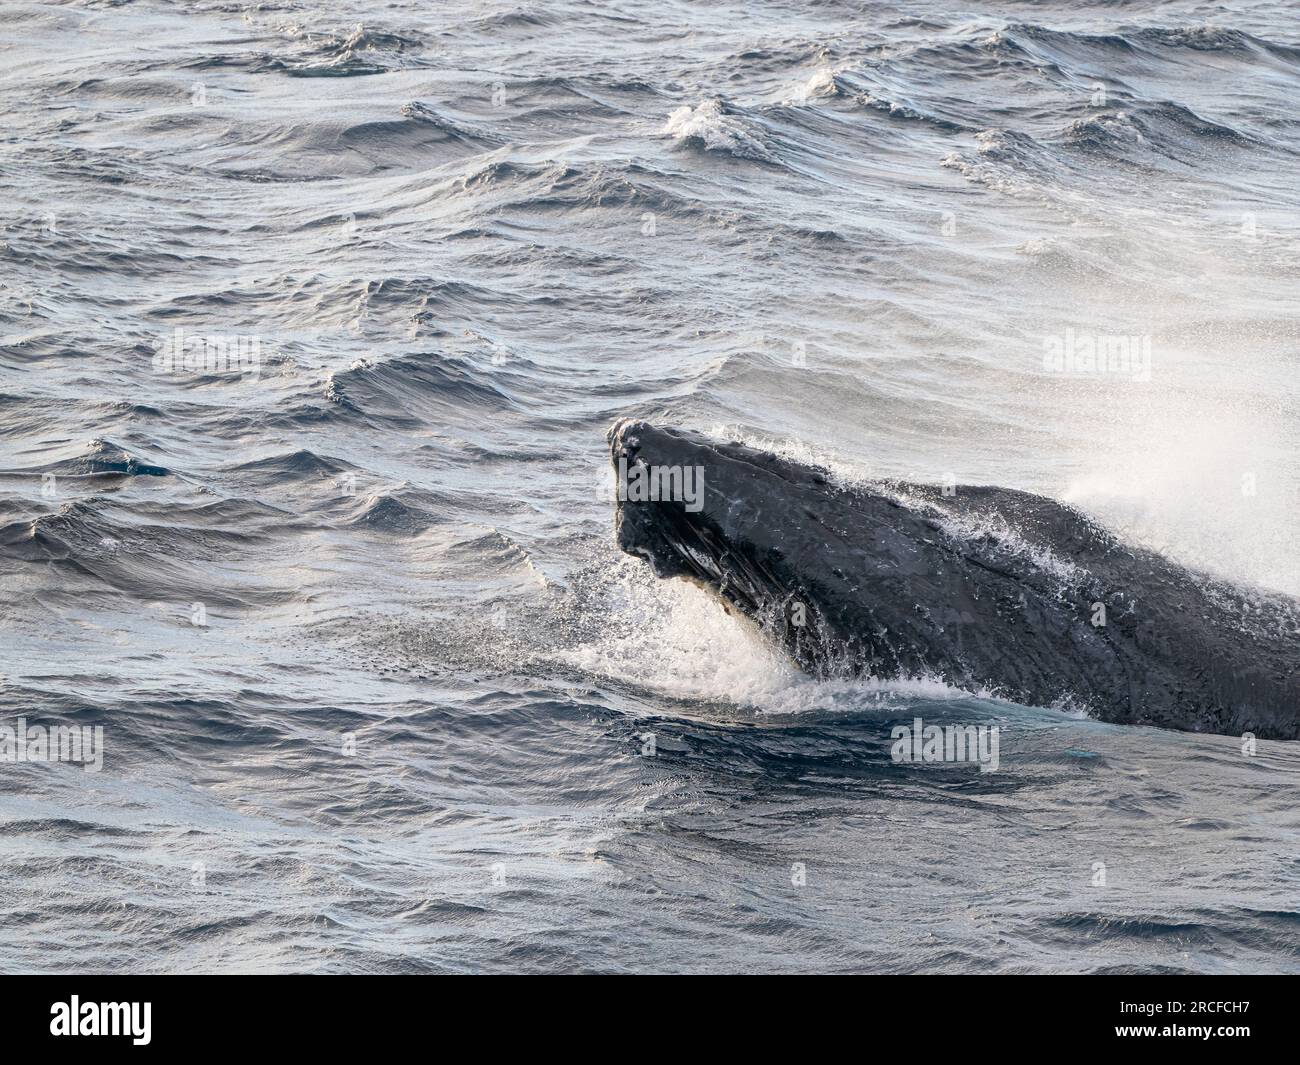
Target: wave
[408,391]
[411,138]
[567,186]
[520,18]
[359,53]
[102,551]
[1150,40]
[718,126]
[1144,136]
[386,512]
[1004,158]
[1168,128]
[103,457]
[288,467]
[855,86]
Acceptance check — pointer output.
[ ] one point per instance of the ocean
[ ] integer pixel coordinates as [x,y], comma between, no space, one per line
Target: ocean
[312,322]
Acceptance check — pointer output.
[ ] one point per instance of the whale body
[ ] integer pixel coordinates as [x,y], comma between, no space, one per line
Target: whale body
[990,589]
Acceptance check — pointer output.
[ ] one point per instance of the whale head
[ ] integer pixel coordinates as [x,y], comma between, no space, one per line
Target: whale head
[687,505]
[772,537]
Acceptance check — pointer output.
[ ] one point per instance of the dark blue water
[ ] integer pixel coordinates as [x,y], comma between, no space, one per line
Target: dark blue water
[378,692]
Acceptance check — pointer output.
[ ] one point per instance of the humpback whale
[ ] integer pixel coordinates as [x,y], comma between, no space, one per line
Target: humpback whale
[989,589]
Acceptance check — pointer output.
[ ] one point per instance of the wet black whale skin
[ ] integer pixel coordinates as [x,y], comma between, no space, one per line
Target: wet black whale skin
[884,584]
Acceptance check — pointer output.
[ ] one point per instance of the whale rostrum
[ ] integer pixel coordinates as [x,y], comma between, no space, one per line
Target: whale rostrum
[988,589]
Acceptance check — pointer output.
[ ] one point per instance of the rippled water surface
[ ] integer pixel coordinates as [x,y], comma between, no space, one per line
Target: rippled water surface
[378,692]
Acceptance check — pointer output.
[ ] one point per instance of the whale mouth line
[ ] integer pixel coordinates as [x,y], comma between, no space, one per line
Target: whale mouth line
[706,557]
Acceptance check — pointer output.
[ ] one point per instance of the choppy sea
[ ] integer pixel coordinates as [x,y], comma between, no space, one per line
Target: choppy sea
[312,319]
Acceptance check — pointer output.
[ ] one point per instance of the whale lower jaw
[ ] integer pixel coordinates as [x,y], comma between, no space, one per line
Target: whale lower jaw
[990,590]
